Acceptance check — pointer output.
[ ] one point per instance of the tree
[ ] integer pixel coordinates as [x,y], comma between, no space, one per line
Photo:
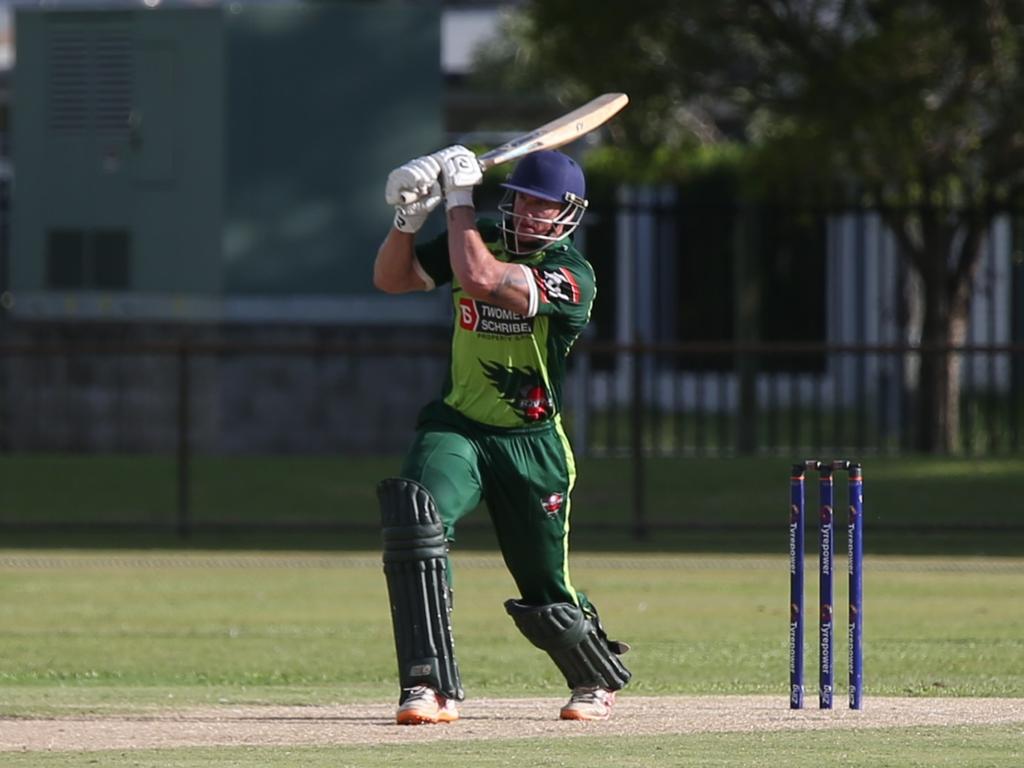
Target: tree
[914,106]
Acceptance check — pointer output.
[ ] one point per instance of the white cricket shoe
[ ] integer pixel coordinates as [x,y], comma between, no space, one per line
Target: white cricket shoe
[425,705]
[589,703]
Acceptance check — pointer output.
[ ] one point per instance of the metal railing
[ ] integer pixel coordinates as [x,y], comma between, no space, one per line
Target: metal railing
[638,401]
[699,399]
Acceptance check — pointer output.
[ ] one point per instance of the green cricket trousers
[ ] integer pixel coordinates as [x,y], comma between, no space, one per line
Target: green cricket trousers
[524,477]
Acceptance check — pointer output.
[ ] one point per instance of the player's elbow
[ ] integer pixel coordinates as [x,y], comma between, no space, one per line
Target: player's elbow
[391,275]
[384,282]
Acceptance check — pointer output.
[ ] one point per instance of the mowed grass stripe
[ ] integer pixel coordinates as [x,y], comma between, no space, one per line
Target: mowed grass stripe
[484,560]
[140,636]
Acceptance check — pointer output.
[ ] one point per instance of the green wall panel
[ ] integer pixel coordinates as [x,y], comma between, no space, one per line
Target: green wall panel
[323,100]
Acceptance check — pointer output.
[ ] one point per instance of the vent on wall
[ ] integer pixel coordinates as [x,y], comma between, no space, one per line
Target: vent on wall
[91,78]
[89,259]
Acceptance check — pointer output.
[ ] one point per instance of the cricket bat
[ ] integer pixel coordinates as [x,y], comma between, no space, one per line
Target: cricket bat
[557,133]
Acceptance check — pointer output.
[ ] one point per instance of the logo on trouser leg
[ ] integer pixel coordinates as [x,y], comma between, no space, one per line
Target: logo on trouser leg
[552,503]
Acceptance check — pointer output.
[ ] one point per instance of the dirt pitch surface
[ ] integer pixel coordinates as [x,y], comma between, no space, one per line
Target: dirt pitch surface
[481,719]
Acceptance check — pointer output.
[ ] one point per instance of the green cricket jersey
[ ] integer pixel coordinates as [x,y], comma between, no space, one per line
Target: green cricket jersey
[506,370]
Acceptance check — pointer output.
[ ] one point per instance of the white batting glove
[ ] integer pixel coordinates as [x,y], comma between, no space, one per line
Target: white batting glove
[410,217]
[411,181]
[460,172]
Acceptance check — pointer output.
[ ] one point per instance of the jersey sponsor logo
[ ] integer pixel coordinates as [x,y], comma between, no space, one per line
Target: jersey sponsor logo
[552,503]
[481,317]
[557,285]
[522,388]
[468,316]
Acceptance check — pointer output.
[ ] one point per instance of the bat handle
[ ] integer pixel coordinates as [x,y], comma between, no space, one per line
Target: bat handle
[409,197]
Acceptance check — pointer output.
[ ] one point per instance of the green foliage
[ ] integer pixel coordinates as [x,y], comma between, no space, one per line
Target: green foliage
[914,105]
[723,163]
[910,101]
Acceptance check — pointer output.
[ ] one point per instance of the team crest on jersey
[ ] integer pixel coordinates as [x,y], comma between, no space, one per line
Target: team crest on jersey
[557,285]
[521,388]
[552,503]
[481,317]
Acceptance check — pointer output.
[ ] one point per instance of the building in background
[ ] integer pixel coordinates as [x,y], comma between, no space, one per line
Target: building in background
[239,182]
[213,162]
[212,172]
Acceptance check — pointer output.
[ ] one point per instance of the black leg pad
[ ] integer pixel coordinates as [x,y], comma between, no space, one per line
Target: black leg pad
[574,641]
[415,567]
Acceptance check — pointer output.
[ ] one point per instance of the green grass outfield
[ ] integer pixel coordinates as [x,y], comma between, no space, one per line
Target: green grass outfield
[92,633]
[922,505]
[136,620]
[963,747]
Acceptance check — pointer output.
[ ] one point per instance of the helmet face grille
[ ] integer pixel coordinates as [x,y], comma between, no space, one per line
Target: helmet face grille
[568,218]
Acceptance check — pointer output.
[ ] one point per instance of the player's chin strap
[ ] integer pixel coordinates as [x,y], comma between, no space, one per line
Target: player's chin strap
[576,642]
[415,566]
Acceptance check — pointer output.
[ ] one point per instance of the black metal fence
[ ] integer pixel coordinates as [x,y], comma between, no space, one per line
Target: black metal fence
[666,400]
[635,402]
[677,400]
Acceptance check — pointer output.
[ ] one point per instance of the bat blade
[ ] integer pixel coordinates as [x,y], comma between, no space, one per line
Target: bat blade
[557,133]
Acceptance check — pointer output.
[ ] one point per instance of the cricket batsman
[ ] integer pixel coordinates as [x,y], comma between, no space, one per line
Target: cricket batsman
[521,295]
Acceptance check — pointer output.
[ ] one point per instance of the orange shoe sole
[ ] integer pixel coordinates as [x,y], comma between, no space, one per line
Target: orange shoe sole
[572,714]
[418,718]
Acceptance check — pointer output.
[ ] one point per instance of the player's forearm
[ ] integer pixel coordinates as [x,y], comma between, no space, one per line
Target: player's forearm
[481,275]
[393,269]
[472,264]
